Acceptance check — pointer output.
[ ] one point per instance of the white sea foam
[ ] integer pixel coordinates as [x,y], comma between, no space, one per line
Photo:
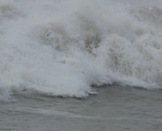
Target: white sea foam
[61,47]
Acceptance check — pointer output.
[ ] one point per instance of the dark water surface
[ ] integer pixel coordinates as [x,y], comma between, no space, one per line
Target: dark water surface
[113,109]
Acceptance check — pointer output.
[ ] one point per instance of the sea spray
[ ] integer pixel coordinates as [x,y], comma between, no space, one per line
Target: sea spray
[63,48]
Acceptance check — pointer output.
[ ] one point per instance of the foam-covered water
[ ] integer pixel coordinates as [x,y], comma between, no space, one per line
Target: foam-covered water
[62,48]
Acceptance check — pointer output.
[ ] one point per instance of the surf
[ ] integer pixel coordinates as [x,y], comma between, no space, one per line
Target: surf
[64,48]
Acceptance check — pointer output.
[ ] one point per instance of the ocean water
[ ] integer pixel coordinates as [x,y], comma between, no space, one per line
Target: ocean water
[58,52]
[115,108]
[64,48]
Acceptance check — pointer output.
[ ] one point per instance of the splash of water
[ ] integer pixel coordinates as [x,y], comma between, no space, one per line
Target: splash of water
[63,48]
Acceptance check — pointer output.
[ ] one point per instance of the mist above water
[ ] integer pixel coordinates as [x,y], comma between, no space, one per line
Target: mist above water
[62,48]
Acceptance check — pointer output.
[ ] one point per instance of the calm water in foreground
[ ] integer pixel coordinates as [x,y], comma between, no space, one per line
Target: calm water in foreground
[113,109]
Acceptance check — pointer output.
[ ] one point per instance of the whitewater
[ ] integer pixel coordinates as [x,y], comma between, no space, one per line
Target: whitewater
[66,48]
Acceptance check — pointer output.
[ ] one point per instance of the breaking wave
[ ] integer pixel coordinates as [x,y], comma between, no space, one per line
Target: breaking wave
[64,48]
